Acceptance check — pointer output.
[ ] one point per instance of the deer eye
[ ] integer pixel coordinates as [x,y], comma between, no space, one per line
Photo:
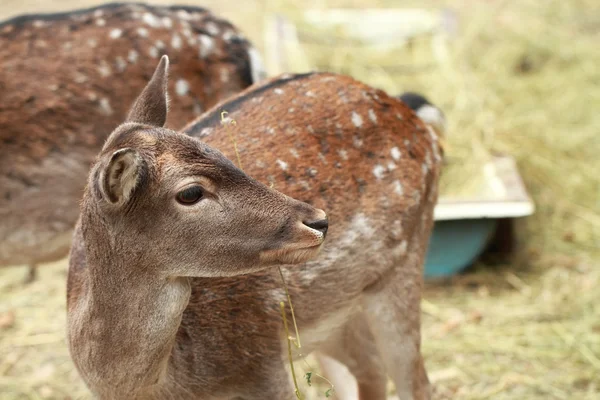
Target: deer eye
[190,196]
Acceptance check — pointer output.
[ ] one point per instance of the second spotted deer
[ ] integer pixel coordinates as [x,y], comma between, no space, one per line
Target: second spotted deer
[373,165]
[172,291]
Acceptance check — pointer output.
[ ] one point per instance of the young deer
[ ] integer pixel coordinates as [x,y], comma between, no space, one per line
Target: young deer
[68,79]
[174,300]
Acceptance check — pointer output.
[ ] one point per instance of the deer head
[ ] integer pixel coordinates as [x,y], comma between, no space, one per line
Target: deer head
[160,199]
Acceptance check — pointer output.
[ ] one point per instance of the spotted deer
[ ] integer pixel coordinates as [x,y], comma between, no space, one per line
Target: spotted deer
[68,79]
[172,290]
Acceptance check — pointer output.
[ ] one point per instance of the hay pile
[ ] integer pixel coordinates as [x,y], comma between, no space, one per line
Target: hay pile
[518,78]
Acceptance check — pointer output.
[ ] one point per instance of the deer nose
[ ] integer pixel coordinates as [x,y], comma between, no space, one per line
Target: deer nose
[320,225]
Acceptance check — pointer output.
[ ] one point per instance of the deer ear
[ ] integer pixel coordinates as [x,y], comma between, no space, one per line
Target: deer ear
[121,175]
[151,106]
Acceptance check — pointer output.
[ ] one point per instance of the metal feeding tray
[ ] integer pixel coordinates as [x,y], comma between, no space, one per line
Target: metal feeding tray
[463,226]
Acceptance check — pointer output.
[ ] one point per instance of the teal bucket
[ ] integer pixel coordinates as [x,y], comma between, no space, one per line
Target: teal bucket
[456,244]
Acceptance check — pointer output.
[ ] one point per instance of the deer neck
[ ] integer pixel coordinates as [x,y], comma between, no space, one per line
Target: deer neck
[128,319]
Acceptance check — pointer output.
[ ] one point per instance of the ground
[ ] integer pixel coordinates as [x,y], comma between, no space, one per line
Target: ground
[528,327]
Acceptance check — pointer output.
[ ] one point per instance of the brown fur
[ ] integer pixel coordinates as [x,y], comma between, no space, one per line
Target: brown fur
[69,79]
[358,302]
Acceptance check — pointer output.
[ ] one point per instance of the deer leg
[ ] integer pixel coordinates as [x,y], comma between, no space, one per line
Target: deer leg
[31,273]
[355,347]
[392,307]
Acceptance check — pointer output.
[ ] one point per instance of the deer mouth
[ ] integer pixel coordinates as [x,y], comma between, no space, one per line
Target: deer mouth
[294,255]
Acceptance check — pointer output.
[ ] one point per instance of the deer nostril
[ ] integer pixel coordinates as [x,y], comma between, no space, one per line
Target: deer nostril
[319,225]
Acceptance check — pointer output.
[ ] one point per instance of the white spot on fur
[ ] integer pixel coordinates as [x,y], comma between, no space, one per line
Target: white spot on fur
[176,42]
[183,14]
[105,107]
[282,164]
[151,20]
[356,119]
[312,172]
[402,247]
[428,160]
[416,196]
[322,158]
[206,131]
[104,69]
[132,56]
[398,189]
[396,153]
[80,78]
[399,117]
[397,229]
[372,116]
[291,109]
[182,87]
[434,146]
[391,166]
[305,185]
[100,22]
[357,142]
[120,63]
[294,153]
[98,13]
[378,171]
[153,52]
[167,22]
[278,91]
[39,24]
[261,164]
[186,31]
[212,28]
[115,33]
[224,75]
[160,44]
[227,35]
[92,43]
[142,32]
[343,154]
[309,94]
[360,228]
[91,96]
[275,296]
[207,44]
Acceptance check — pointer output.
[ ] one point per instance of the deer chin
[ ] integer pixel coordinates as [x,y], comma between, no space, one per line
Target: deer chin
[290,255]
